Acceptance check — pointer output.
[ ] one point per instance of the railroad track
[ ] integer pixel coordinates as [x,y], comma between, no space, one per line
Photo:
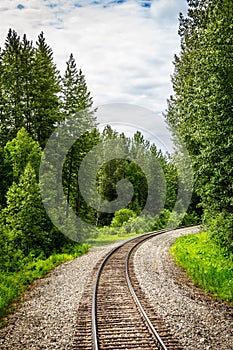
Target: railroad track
[114,312]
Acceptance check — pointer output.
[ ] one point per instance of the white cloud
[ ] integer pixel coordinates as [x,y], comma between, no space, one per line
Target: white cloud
[124,50]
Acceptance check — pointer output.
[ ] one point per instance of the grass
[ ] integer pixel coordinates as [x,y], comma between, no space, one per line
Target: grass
[206,264]
[13,284]
[105,239]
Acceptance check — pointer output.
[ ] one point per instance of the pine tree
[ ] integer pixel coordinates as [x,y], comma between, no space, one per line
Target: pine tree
[79,116]
[11,87]
[29,86]
[75,95]
[46,87]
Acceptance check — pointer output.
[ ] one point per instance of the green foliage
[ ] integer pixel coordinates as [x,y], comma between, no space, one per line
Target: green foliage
[162,220]
[220,228]
[70,179]
[76,109]
[34,100]
[24,222]
[121,216]
[139,225]
[134,226]
[108,235]
[191,218]
[15,283]
[12,87]
[200,110]
[29,86]
[21,151]
[5,177]
[25,219]
[75,95]
[131,224]
[45,109]
[151,175]
[206,264]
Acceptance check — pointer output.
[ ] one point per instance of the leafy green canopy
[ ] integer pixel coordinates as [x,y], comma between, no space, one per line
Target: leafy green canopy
[200,109]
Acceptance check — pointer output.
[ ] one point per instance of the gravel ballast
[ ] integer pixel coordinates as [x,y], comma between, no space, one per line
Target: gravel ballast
[46,318]
[47,315]
[197,319]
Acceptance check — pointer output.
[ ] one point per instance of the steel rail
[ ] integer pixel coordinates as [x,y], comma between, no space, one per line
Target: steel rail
[146,236]
[94,297]
[95,289]
[133,293]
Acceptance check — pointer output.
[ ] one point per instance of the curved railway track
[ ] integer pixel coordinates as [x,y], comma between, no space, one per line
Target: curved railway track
[114,312]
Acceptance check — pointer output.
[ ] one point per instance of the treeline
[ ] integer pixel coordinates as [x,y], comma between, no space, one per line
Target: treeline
[34,95]
[200,109]
[34,100]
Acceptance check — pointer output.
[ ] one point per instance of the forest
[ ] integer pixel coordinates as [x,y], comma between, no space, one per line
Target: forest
[35,98]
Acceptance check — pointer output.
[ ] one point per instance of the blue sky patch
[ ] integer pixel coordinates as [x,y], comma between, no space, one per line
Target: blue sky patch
[103,3]
[52,5]
[76,4]
[20,7]
[146,3]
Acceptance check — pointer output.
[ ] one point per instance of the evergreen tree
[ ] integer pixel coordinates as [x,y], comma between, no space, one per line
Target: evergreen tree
[11,87]
[77,111]
[46,87]
[29,86]
[14,158]
[75,95]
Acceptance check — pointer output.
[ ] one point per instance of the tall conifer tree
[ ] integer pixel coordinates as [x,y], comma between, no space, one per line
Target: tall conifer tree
[77,110]
[29,87]
[46,112]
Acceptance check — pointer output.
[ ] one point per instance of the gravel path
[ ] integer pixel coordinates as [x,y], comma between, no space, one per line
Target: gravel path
[46,317]
[201,321]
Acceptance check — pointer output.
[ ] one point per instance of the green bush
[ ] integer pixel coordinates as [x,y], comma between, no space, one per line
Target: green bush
[220,229]
[191,219]
[140,224]
[161,221]
[122,216]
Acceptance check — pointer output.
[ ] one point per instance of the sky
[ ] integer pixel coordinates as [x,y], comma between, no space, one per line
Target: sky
[125,48]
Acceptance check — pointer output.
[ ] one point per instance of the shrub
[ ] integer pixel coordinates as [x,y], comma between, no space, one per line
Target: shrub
[122,216]
[162,220]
